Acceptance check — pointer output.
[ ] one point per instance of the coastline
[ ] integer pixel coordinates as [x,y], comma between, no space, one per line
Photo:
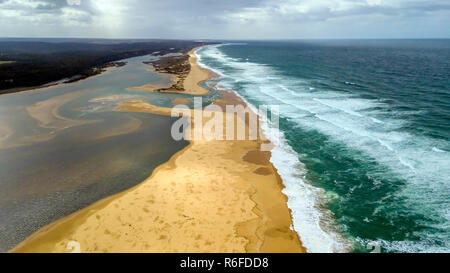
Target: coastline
[191,84]
[54,85]
[213,196]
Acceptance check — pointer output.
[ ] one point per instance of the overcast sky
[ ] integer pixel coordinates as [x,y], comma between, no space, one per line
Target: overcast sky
[226,19]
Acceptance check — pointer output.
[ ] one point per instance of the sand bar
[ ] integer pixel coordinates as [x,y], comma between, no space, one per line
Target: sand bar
[213,196]
[46,113]
[191,85]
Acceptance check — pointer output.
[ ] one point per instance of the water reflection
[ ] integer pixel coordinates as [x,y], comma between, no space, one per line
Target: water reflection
[63,148]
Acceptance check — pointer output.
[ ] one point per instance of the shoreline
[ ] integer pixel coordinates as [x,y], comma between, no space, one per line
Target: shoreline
[212,196]
[191,84]
[103,71]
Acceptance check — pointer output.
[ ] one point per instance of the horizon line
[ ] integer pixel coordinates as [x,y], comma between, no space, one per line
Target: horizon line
[223,39]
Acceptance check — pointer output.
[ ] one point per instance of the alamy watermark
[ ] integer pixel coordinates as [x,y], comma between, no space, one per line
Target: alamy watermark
[229,122]
[373,247]
[73,247]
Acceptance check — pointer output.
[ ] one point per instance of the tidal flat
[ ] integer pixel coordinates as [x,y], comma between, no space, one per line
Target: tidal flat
[64,147]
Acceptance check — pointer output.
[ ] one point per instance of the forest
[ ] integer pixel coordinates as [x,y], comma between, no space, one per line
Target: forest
[32,63]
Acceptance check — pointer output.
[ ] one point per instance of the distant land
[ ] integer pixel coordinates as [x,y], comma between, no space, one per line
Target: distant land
[26,63]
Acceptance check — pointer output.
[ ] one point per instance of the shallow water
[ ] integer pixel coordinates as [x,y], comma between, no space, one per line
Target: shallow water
[365,125]
[78,150]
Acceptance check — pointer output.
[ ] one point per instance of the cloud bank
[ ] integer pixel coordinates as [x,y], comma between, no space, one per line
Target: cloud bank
[231,19]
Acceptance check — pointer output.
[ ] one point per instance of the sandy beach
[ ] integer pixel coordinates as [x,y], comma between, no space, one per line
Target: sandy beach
[191,84]
[213,196]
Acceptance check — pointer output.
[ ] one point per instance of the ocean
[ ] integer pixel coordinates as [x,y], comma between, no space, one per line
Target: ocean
[365,129]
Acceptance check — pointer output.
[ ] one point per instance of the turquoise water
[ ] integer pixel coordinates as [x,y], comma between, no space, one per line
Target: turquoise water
[365,131]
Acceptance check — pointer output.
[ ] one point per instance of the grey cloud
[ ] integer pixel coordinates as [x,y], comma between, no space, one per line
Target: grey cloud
[220,19]
[361,8]
[42,6]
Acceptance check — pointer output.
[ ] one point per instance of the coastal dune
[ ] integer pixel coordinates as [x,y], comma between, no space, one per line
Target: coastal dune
[213,196]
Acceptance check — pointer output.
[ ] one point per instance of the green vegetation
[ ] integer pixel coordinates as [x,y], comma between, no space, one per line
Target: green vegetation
[41,62]
[6,62]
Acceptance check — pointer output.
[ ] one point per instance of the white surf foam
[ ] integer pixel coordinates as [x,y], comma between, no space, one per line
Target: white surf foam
[359,124]
[303,199]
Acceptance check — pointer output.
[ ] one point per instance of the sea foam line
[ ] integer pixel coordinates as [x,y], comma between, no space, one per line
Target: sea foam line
[303,198]
[413,158]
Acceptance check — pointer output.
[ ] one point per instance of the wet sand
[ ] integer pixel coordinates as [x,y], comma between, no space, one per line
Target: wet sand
[213,196]
[46,113]
[50,173]
[179,101]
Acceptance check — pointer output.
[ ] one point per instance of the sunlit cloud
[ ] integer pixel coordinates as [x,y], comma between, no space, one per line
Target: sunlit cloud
[226,19]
